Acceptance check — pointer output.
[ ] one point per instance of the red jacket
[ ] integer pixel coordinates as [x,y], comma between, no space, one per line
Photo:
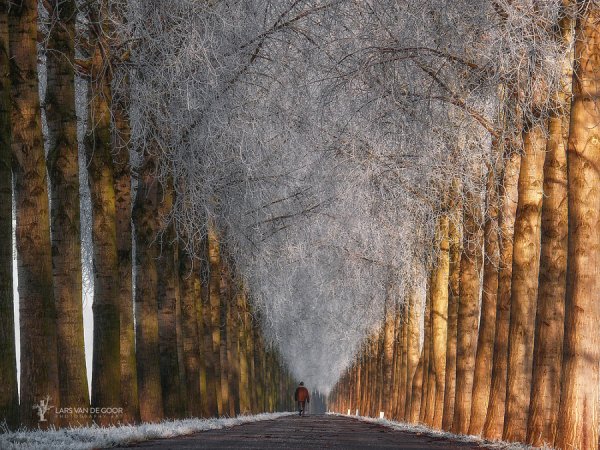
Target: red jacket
[301,394]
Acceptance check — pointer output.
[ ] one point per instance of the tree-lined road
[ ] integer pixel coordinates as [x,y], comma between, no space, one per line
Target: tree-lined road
[306,432]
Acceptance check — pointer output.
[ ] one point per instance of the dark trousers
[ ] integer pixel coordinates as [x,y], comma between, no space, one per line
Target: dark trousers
[301,406]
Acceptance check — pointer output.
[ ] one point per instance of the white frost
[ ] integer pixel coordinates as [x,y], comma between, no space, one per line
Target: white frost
[97,437]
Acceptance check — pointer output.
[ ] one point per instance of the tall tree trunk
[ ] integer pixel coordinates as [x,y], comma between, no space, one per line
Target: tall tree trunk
[455,241]
[251,345]
[37,309]
[403,366]
[244,386]
[494,421]
[526,259]
[439,290]
[226,367]
[388,355]
[416,392]
[431,385]
[412,355]
[9,394]
[426,355]
[578,413]
[146,292]
[106,371]
[233,354]
[468,312]
[209,401]
[123,200]
[214,259]
[189,325]
[550,316]
[397,369]
[487,321]
[63,168]
[168,299]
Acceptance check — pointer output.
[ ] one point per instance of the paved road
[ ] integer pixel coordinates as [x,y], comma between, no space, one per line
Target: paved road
[311,432]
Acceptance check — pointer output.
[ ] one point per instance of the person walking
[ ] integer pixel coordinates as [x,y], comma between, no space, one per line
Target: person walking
[302,397]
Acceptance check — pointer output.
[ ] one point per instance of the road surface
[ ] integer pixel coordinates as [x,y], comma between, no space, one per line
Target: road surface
[310,432]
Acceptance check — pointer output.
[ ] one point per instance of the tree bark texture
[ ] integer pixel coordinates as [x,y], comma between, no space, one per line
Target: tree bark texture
[63,168]
[9,394]
[468,312]
[37,308]
[508,191]
[578,413]
[146,292]
[526,258]
[439,290]
[487,321]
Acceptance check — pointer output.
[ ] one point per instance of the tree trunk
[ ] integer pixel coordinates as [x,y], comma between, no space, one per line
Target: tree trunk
[526,259]
[168,298]
[233,353]
[578,413]
[455,241]
[9,394]
[412,356]
[244,386]
[468,312]
[214,259]
[545,389]
[550,316]
[146,292]
[417,392]
[398,371]
[439,290]
[494,422]
[189,327]
[123,200]
[487,322]
[106,371]
[37,309]
[63,168]
[207,355]
[388,356]
[426,355]
[431,385]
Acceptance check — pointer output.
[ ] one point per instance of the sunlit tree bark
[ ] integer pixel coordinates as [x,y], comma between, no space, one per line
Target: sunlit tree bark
[388,356]
[487,322]
[468,311]
[550,316]
[578,414]
[37,309]
[508,195]
[106,371]
[526,256]
[423,411]
[412,356]
[439,307]
[455,251]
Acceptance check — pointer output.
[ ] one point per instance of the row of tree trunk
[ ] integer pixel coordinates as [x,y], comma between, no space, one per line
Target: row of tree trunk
[510,340]
[173,337]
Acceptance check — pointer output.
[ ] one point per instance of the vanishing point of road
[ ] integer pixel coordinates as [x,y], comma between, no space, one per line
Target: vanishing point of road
[310,432]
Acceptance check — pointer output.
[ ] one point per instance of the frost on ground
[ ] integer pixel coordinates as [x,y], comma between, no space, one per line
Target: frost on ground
[97,437]
[421,429]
